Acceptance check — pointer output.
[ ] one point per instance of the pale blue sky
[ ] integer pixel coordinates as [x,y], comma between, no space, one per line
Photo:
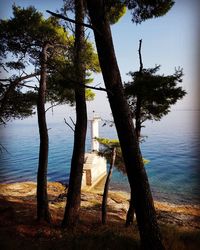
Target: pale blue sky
[171,40]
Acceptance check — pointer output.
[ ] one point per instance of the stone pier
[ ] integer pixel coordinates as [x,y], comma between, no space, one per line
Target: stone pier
[95,166]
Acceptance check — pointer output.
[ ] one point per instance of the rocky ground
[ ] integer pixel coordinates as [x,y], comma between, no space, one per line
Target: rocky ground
[18,212]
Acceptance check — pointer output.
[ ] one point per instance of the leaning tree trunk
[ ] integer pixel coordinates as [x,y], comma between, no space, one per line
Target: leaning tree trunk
[143,201]
[71,215]
[43,213]
[106,187]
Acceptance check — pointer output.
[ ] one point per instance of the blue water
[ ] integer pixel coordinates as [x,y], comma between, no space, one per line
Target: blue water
[171,145]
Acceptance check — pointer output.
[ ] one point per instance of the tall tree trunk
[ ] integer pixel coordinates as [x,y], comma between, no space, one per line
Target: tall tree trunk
[139,99]
[43,213]
[138,118]
[71,215]
[106,187]
[131,210]
[144,206]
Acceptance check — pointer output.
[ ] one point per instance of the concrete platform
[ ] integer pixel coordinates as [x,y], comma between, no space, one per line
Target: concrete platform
[94,170]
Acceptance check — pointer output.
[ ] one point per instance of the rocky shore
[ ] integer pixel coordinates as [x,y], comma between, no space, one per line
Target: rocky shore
[18,214]
[25,193]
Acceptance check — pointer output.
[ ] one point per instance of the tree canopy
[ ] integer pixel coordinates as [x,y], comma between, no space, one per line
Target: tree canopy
[22,38]
[106,150]
[157,93]
[145,9]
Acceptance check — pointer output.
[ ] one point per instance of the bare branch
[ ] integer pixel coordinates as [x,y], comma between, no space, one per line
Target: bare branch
[37,78]
[95,88]
[2,121]
[72,121]
[69,19]
[3,66]
[69,125]
[28,86]
[5,80]
[54,105]
[140,55]
[97,85]
[87,37]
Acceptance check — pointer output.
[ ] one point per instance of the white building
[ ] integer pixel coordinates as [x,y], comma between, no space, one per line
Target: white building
[95,166]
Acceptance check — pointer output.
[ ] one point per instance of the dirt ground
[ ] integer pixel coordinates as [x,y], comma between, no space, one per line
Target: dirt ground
[20,230]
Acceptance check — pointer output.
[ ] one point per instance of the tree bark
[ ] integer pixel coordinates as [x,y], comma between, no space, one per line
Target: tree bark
[139,104]
[143,201]
[138,118]
[71,215]
[43,213]
[131,211]
[106,187]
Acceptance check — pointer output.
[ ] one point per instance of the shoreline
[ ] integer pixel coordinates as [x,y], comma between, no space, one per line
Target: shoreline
[180,225]
[98,189]
[17,190]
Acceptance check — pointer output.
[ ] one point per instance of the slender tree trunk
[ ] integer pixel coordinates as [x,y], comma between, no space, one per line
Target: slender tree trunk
[139,104]
[106,187]
[71,215]
[42,197]
[131,210]
[138,118]
[144,206]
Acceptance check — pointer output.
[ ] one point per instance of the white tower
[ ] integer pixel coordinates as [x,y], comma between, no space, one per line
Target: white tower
[95,132]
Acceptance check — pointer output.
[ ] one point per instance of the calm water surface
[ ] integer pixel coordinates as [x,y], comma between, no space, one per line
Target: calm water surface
[171,145]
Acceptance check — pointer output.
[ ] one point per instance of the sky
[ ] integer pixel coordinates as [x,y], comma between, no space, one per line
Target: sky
[170,41]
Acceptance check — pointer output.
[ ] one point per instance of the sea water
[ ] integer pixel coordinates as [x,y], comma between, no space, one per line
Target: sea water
[171,145]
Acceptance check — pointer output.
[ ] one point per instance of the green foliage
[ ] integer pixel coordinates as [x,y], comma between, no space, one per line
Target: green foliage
[157,93]
[89,95]
[90,58]
[25,34]
[107,146]
[18,105]
[22,38]
[146,9]
[108,143]
[62,80]
[115,10]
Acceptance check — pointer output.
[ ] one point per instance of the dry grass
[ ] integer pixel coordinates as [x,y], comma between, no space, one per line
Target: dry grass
[19,229]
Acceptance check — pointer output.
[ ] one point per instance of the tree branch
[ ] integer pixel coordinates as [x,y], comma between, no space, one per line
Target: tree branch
[69,125]
[5,80]
[69,19]
[28,86]
[12,86]
[140,55]
[72,121]
[95,88]
[54,105]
